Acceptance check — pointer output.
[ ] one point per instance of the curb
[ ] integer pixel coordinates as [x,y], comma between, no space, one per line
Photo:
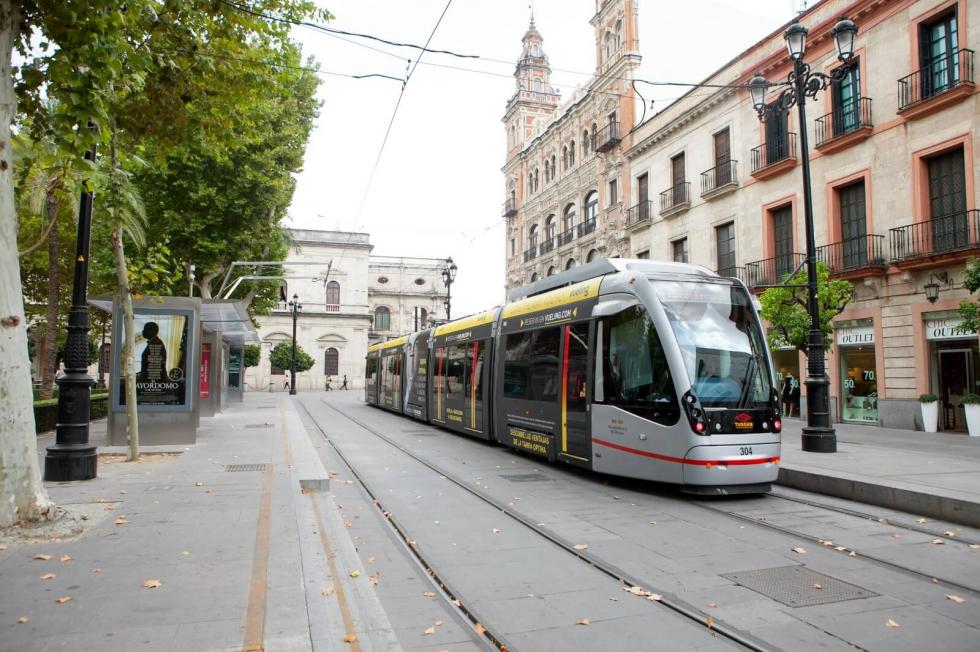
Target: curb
[944,508]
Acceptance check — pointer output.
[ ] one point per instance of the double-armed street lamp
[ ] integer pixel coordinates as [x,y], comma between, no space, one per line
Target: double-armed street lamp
[818,435]
[295,307]
[448,276]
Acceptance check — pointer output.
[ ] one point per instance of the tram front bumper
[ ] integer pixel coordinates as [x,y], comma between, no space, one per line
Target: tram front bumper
[729,465]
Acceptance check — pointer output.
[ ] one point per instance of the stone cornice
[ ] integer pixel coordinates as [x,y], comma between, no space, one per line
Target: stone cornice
[673,125]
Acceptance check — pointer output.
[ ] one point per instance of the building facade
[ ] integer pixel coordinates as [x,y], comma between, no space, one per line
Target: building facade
[565,172]
[350,300]
[894,196]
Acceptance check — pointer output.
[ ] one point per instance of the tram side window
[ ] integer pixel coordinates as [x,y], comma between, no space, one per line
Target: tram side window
[531,365]
[479,371]
[454,370]
[578,356]
[371,369]
[631,368]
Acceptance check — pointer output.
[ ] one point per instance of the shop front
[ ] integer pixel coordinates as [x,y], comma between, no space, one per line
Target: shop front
[786,361]
[858,371]
[954,362]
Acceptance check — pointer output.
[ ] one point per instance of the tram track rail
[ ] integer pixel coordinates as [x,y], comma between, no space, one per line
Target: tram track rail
[666,600]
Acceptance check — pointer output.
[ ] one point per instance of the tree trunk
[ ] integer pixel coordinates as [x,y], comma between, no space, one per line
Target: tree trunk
[22,494]
[204,284]
[127,359]
[49,361]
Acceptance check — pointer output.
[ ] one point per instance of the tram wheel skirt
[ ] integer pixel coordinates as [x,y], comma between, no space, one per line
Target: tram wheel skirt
[727,490]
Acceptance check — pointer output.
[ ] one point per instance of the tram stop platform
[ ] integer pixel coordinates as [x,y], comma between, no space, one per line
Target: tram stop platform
[257,537]
[931,474]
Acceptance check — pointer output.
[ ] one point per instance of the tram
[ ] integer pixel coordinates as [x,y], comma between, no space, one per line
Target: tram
[634,368]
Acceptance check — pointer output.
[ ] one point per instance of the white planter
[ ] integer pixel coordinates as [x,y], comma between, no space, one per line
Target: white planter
[930,416]
[973,419]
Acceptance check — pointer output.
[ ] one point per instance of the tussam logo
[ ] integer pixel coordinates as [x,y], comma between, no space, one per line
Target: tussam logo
[743,421]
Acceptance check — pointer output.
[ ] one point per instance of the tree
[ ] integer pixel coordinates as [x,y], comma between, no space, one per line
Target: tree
[281,356]
[253,354]
[970,309]
[785,308]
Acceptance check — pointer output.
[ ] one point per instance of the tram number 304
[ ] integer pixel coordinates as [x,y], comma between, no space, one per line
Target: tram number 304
[745,450]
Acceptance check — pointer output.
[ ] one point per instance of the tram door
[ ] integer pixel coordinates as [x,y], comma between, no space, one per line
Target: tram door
[956,378]
[575,439]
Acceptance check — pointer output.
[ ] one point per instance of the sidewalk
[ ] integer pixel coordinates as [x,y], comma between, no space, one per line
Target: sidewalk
[932,474]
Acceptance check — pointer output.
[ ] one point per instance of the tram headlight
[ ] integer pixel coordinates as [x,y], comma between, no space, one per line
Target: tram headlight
[695,415]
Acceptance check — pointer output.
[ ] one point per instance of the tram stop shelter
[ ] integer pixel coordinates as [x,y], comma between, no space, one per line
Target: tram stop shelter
[188,364]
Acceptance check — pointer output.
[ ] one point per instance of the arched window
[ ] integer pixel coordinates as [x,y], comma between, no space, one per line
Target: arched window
[570,264]
[586,143]
[333,296]
[534,277]
[593,255]
[564,157]
[571,154]
[554,167]
[591,207]
[610,45]
[512,137]
[530,182]
[537,85]
[618,34]
[549,226]
[535,179]
[547,171]
[532,236]
[331,362]
[382,319]
[551,271]
[423,317]
[568,220]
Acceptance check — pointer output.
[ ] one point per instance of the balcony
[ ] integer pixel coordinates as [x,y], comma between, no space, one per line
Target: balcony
[531,254]
[943,240]
[941,83]
[606,138]
[855,257]
[734,272]
[770,271]
[774,156]
[548,244]
[719,180]
[586,228]
[566,236]
[844,126]
[641,213]
[510,207]
[676,199]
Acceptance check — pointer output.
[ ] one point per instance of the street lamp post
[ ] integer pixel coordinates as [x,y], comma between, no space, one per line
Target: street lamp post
[295,306]
[818,435]
[448,276]
[72,457]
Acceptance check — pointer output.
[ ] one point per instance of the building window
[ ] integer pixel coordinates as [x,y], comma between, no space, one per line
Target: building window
[530,182]
[939,54]
[382,280]
[570,264]
[511,137]
[568,221]
[513,246]
[549,227]
[554,168]
[532,236]
[551,270]
[534,277]
[723,156]
[382,319]
[593,255]
[331,362]
[679,250]
[564,157]
[571,154]
[643,196]
[535,179]
[333,296]
[725,249]
[947,200]
[420,281]
[677,179]
[423,317]
[782,229]
[853,225]
[547,171]
[846,101]
[613,192]
[777,134]
[643,255]
[591,207]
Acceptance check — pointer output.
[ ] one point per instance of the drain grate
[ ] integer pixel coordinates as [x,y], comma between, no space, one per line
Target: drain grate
[525,477]
[238,468]
[796,586]
[258,425]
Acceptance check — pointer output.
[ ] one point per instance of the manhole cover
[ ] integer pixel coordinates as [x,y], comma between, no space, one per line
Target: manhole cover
[258,425]
[796,586]
[237,468]
[525,477]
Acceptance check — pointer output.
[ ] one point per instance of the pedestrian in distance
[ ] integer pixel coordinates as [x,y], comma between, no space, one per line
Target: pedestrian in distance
[344,386]
[285,387]
[328,383]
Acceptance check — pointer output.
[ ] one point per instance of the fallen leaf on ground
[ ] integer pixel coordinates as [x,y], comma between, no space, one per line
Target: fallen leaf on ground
[42,557]
[581,546]
[429,632]
[935,581]
[799,551]
[456,603]
[955,598]
[495,531]
[198,484]
[653,522]
[709,622]
[584,621]
[185,552]
[3,546]
[96,571]
[852,554]
[891,623]
[840,548]
[825,542]
[438,623]
[22,620]
[63,599]
[348,524]
[817,587]
[921,520]
[712,605]
[355,573]
[65,558]
[48,576]
[121,521]
[975,546]
[480,629]
[152,584]
[375,578]
[328,591]
[350,638]
[371,560]
[896,536]
[611,599]
[429,594]
[615,497]
[637,590]
[938,542]
[949,533]
[655,597]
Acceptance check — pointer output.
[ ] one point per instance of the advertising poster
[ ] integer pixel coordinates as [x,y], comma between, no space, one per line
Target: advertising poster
[205,370]
[234,368]
[161,360]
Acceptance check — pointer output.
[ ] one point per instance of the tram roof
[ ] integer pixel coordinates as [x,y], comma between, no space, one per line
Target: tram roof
[604,267]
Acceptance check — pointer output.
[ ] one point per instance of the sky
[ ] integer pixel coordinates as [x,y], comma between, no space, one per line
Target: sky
[436,188]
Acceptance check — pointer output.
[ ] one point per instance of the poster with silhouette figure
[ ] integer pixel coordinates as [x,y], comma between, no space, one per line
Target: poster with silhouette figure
[161,360]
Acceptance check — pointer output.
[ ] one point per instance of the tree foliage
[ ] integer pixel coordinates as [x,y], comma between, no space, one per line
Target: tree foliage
[970,309]
[253,354]
[281,356]
[785,308]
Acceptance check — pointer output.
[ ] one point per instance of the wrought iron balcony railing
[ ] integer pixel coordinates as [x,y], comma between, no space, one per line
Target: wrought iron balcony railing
[844,120]
[719,176]
[546,245]
[510,207]
[773,151]
[639,213]
[566,236]
[585,228]
[675,197]
[531,254]
[853,254]
[945,234]
[606,138]
[943,74]
[770,271]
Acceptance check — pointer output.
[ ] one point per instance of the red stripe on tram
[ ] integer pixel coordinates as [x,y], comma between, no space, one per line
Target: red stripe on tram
[681,460]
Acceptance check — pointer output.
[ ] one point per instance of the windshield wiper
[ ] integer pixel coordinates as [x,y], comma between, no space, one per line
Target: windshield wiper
[747,384]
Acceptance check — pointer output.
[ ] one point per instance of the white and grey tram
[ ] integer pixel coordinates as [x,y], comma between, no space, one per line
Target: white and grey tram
[634,368]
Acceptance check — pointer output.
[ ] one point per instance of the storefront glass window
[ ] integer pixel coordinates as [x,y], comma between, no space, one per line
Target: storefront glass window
[859,384]
[787,364]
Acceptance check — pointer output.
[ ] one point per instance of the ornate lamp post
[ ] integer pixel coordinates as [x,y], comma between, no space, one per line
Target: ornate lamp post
[72,457]
[818,435]
[448,276]
[295,307]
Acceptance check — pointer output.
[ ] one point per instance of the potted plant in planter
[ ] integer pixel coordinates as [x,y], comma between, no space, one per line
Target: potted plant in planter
[971,404]
[930,412]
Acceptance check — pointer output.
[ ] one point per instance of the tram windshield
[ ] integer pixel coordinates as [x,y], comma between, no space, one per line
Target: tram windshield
[720,341]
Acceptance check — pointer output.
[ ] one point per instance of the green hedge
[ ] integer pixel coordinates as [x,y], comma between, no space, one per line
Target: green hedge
[46,412]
